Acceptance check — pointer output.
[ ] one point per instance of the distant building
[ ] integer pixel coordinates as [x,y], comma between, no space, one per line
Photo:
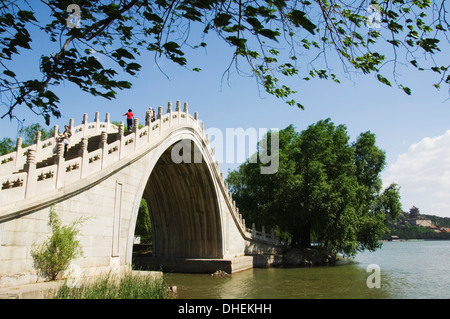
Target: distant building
[419,222]
[424,222]
[435,228]
[414,213]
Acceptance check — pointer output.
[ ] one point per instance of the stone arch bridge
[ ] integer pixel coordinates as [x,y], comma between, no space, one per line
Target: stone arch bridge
[195,223]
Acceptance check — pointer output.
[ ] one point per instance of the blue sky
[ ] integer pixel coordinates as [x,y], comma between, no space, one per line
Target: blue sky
[412,130]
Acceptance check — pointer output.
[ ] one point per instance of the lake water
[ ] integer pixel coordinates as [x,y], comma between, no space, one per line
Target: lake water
[411,269]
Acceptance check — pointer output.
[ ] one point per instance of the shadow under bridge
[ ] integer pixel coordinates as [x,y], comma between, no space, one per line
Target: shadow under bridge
[185,214]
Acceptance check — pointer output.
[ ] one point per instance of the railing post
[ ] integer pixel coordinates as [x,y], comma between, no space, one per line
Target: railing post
[186,111]
[60,169]
[19,153]
[107,120]
[30,168]
[121,137]
[159,116]
[97,121]
[103,139]
[148,119]
[71,125]
[160,119]
[84,157]
[148,123]
[103,143]
[135,131]
[55,131]
[169,112]
[38,141]
[121,131]
[85,123]
[178,109]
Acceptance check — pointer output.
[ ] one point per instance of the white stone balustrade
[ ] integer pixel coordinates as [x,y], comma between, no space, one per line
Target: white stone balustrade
[45,149]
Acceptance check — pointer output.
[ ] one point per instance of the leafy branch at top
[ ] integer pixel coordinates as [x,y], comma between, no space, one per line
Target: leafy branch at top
[274,37]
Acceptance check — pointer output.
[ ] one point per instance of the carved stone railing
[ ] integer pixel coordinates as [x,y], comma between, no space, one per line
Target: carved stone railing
[20,179]
[44,149]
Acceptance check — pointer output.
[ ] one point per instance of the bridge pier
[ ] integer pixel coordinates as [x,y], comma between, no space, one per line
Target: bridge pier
[194,265]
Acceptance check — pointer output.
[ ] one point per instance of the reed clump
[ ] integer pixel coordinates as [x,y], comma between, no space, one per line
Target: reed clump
[112,286]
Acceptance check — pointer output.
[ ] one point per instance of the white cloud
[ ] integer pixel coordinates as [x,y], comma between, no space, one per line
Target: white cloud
[423,174]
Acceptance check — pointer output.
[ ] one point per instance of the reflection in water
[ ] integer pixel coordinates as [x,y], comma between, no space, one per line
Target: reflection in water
[408,270]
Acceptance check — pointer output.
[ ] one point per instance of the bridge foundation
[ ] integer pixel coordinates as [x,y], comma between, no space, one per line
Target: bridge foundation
[194,265]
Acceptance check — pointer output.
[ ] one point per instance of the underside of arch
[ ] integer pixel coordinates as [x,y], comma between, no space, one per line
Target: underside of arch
[184,208]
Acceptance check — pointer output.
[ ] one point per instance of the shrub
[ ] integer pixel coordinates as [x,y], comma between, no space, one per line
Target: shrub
[54,255]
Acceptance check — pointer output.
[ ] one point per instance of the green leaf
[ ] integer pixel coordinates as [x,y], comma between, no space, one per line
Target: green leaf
[298,18]
[122,53]
[132,67]
[222,20]
[407,90]
[382,79]
[255,23]
[9,73]
[300,106]
[239,42]
[171,46]
[26,16]
[152,17]
[268,33]
[429,44]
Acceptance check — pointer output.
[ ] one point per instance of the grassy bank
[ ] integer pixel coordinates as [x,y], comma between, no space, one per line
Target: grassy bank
[110,286]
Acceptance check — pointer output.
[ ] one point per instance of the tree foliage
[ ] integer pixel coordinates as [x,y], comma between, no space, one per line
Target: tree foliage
[273,37]
[54,255]
[28,135]
[143,223]
[6,146]
[326,190]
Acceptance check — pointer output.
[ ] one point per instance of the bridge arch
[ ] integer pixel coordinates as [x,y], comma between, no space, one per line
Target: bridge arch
[184,203]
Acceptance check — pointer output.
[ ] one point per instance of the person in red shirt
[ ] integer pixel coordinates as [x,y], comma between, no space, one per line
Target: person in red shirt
[130,117]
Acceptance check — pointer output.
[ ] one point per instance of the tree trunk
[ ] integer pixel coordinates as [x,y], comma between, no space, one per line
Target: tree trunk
[295,237]
[305,236]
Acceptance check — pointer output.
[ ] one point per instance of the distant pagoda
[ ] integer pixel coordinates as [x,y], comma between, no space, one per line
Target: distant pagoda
[414,213]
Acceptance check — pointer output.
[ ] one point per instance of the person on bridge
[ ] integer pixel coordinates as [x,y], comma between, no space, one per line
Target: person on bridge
[152,114]
[130,118]
[65,138]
